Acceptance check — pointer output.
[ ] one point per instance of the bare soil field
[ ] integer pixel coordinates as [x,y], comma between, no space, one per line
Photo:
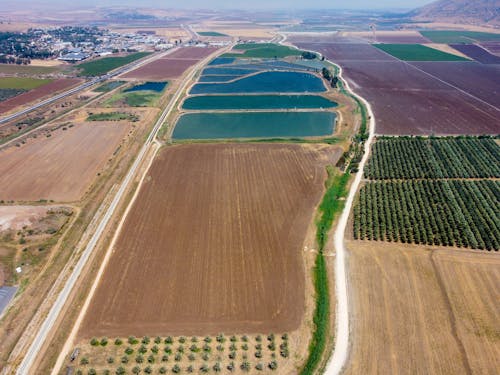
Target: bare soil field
[213,243]
[492,47]
[409,101]
[477,53]
[483,81]
[423,310]
[172,66]
[38,93]
[59,167]
[403,37]
[446,48]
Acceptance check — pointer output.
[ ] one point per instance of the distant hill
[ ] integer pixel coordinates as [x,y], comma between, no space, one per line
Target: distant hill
[485,12]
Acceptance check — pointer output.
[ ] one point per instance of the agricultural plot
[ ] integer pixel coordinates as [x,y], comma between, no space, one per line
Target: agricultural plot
[492,47]
[263,50]
[265,82]
[416,158]
[432,212]
[21,83]
[222,61]
[458,36]
[106,64]
[242,102]
[210,33]
[109,86]
[60,167]
[9,93]
[143,95]
[254,125]
[417,52]
[398,37]
[240,270]
[37,93]
[26,69]
[477,53]
[422,310]
[407,100]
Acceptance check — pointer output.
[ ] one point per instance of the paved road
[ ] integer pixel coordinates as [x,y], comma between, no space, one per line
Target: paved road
[81,87]
[6,294]
[58,305]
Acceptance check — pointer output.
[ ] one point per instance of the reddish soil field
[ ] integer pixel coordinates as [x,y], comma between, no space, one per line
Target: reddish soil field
[213,243]
[477,53]
[493,47]
[61,167]
[161,69]
[192,53]
[482,81]
[406,100]
[38,93]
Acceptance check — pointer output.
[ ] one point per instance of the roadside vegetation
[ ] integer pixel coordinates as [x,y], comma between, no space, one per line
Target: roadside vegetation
[109,86]
[107,64]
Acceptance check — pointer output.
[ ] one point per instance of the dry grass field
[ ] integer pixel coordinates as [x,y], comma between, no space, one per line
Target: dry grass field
[213,243]
[60,167]
[423,310]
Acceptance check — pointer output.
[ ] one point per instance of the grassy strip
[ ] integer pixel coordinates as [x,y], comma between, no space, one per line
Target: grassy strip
[328,140]
[113,116]
[330,206]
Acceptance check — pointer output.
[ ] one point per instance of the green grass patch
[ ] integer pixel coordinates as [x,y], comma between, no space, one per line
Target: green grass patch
[9,93]
[109,86]
[106,64]
[458,36]
[417,52]
[330,206]
[134,99]
[210,33]
[263,50]
[113,116]
[22,83]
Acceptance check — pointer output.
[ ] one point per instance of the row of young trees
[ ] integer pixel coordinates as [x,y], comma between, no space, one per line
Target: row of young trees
[433,212]
[450,157]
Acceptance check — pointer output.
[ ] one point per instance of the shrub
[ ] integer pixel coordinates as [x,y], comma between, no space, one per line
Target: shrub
[136,370]
[157,340]
[168,349]
[244,347]
[120,371]
[169,340]
[124,360]
[217,367]
[194,339]
[84,361]
[244,338]
[132,340]
[155,349]
[118,342]
[204,368]
[176,369]
[180,349]
[182,339]
[231,366]
[110,360]
[194,348]
[206,348]
[92,372]
[191,357]
[245,366]
[143,349]
[233,339]
[190,369]
[207,339]
[284,337]
[205,356]
[220,338]
[232,347]
[232,355]
[94,342]
[258,338]
[258,346]
[273,365]
[258,354]
[139,358]
[148,370]
[145,340]
[164,358]
[151,359]
[178,357]
[272,346]
[162,370]
[104,341]
[129,350]
[220,348]
[271,337]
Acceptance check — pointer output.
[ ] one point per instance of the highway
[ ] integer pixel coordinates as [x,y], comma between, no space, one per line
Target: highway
[42,334]
[81,87]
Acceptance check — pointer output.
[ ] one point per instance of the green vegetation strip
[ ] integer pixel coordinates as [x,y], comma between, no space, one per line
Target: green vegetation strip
[417,52]
[210,33]
[106,64]
[458,36]
[134,99]
[9,93]
[22,83]
[330,206]
[113,116]
[263,50]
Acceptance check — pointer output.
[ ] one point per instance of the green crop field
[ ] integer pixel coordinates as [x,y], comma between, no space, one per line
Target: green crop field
[26,69]
[417,52]
[134,99]
[106,64]
[254,125]
[210,33]
[263,50]
[432,212]
[227,102]
[458,36]
[113,116]
[9,93]
[415,158]
[22,83]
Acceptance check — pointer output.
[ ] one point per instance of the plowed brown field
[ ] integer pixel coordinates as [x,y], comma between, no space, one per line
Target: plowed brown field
[60,167]
[213,243]
[423,310]
[40,92]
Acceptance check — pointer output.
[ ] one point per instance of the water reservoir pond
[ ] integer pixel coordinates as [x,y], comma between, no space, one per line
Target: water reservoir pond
[264,82]
[254,125]
[228,102]
[148,86]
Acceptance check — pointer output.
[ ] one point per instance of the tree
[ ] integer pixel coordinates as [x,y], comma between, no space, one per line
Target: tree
[94,341]
[136,370]
[118,342]
[245,366]
[176,369]
[309,55]
[120,371]
[84,361]
[326,74]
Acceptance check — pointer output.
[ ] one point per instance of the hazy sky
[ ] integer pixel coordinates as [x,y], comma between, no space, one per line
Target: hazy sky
[234,4]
